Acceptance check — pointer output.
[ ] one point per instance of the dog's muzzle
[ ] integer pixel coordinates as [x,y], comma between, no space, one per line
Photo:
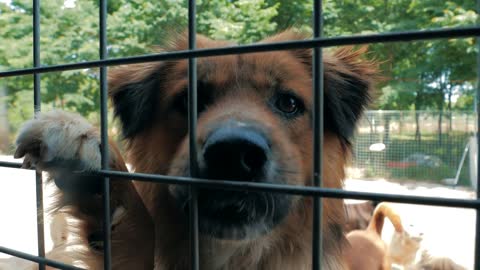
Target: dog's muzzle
[237,151]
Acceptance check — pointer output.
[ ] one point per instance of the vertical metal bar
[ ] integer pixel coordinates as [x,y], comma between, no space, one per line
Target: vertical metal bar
[192,125]
[477,220]
[107,247]
[36,54]
[317,73]
[37,107]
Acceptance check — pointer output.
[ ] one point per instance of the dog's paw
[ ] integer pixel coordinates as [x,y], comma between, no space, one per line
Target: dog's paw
[59,139]
[60,143]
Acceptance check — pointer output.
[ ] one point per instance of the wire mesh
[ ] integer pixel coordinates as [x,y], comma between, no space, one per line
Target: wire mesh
[415,145]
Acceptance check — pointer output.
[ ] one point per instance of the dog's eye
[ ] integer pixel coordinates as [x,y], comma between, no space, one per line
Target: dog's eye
[181,102]
[289,104]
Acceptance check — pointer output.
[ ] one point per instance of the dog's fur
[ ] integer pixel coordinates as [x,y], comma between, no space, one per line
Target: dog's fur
[151,231]
[359,215]
[367,250]
[428,262]
[403,247]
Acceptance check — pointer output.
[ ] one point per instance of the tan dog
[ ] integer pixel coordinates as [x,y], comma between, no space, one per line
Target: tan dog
[403,247]
[255,124]
[367,250]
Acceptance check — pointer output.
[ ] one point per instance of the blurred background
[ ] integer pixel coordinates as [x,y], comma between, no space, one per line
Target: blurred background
[416,138]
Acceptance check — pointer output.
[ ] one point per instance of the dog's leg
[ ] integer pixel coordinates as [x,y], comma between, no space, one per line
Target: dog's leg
[64,144]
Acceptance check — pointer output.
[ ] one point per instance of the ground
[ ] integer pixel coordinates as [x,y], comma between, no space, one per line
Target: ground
[446,231]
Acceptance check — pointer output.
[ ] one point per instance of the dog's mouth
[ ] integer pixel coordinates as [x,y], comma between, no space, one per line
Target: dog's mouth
[236,151]
[235,214]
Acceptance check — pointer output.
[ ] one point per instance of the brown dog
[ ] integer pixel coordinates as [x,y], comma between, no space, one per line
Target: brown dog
[359,215]
[255,124]
[367,250]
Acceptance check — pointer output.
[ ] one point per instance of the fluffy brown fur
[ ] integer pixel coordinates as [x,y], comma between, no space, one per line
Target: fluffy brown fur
[367,250]
[151,232]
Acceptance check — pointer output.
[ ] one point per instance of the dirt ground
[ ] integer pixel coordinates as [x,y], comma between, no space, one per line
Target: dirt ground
[446,231]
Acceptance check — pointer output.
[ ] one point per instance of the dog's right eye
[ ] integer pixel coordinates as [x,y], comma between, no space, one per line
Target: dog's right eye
[180,102]
[289,104]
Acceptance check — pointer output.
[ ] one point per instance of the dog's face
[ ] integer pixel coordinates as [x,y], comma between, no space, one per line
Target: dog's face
[254,124]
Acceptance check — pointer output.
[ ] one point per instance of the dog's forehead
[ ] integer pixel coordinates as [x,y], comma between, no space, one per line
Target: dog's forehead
[218,70]
[260,72]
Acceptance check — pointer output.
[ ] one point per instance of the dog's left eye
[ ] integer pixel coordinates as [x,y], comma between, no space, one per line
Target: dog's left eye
[289,104]
[181,102]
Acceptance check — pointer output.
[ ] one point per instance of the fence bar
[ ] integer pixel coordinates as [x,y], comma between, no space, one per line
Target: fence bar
[276,46]
[39,260]
[317,72]
[36,108]
[36,55]
[107,246]
[278,188]
[477,220]
[192,126]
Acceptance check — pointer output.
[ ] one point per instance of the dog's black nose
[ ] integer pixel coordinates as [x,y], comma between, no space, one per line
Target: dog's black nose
[235,153]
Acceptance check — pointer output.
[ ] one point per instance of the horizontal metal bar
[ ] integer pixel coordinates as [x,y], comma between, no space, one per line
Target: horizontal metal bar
[7,164]
[280,188]
[294,190]
[277,46]
[37,259]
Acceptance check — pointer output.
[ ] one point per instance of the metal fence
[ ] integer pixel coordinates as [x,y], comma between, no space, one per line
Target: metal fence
[415,145]
[316,191]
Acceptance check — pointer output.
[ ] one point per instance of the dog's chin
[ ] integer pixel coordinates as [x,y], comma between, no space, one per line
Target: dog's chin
[227,230]
[235,215]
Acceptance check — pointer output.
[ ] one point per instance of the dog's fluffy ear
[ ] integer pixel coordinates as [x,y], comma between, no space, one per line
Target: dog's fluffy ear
[348,82]
[134,90]
[302,54]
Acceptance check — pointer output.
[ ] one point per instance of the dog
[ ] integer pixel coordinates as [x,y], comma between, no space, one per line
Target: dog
[254,125]
[428,262]
[359,215]
[404,246]
[367,250]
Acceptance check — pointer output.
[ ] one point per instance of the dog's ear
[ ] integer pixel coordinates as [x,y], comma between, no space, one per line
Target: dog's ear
[349,81]
[134,91]
[302,54]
